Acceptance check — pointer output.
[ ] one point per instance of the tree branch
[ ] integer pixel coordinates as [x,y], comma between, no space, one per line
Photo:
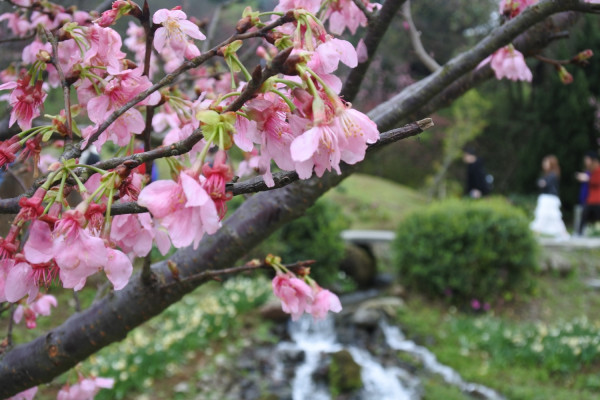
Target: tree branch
[373,37]
[412,98]
[375,31]
[415,38]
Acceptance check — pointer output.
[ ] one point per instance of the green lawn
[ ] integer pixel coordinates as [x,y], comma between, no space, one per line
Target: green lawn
[522,349]
[374,203]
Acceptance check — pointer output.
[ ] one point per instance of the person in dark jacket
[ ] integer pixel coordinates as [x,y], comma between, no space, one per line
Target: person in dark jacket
[477,184]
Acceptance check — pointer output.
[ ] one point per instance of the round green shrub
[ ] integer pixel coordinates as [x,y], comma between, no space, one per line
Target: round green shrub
[466,250]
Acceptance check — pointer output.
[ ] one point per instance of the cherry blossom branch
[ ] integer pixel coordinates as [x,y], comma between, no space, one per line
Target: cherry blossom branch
[281,179]
[415,38]
[375,31]
[170,78]
[258,78]
[529,43]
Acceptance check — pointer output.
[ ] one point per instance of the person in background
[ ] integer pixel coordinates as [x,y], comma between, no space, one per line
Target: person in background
[591,210]
[583,178]
[477,184]
[548,218]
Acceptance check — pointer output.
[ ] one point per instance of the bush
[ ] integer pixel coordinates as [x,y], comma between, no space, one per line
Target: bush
[466,250]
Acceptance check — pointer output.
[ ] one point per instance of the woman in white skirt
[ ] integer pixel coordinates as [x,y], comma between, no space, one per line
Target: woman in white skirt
[548,218]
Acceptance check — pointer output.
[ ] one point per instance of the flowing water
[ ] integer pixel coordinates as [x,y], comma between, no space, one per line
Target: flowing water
[382,382]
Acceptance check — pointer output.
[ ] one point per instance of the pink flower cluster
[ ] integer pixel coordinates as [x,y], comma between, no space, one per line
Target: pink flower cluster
[85,389]
[297,297]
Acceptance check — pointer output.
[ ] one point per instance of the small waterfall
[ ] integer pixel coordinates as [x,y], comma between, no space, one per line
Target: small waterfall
[396,340]
[312,339]
[317,337]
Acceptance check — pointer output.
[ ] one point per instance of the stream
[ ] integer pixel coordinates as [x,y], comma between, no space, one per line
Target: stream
[382,378]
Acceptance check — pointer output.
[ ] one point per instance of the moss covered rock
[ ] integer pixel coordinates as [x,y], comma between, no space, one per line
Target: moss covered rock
[344,374]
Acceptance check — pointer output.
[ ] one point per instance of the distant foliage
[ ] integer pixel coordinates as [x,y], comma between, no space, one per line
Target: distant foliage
[466,251]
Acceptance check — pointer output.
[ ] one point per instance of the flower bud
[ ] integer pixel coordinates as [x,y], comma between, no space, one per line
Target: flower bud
[564,75]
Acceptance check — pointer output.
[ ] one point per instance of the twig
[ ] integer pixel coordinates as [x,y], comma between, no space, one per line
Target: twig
[259,77]
[63,82]
[146,274]
[149,29]
[415,38]
[249,266]
[18,38]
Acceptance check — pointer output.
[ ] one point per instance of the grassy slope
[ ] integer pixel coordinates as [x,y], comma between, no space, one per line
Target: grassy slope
[374,203]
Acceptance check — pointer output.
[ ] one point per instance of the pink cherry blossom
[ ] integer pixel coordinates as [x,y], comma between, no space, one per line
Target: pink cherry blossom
[510,63]
[174,31]
[272,131]
[26,100]
[28,394]
[77,253]
[323,302]
[294,293]
[217,175]
[123,87]
[183,208]
[309,5]
[512,8]
[20,282]
[17,23]
[118,269]
[362,53]
[5,266]
[85,389]
[344,138]
[333,51]
[8,150]
[344,14]
[134,234]
[41,306]
[105,48]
